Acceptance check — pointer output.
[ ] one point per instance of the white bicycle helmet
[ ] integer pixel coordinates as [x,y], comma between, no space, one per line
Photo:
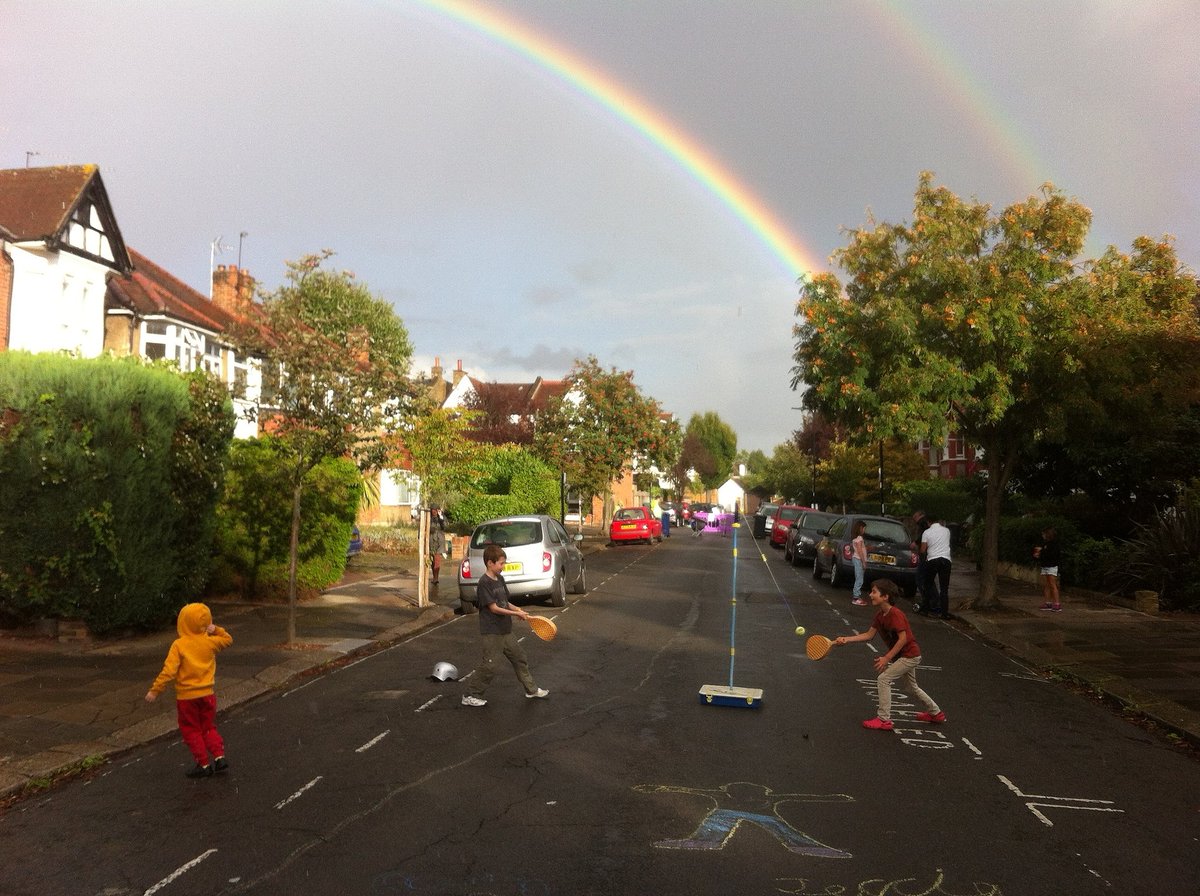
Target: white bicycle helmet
[445,672]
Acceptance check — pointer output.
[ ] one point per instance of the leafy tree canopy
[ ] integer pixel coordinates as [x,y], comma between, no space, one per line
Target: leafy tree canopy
[718,442]
[984,324]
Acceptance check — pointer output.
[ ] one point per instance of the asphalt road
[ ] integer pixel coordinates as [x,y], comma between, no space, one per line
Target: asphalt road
[375,780]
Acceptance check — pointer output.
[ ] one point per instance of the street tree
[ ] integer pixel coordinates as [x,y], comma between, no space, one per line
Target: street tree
[447,460]
[719,442]
[980,323]
[337,359]
[601,427]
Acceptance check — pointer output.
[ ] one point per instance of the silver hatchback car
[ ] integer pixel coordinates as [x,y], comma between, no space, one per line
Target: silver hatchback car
[541,559]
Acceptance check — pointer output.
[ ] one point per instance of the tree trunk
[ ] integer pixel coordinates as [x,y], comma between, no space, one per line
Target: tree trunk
[292,561]
[999,468]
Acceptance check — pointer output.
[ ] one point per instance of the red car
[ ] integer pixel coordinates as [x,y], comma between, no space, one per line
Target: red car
[785,515]
[634,524]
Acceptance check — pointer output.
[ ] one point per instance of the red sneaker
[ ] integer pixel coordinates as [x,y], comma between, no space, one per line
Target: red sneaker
[879,724]
[931,718]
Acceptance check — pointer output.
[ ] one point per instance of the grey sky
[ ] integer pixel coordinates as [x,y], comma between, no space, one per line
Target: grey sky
[517,224]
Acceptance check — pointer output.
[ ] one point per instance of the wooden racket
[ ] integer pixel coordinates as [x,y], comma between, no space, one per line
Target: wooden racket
[542,627]
[817,646]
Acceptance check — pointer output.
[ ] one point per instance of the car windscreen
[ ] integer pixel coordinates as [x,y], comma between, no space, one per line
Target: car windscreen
[788,514]
[508,534]
[887,530]
[818,521]
[629,513]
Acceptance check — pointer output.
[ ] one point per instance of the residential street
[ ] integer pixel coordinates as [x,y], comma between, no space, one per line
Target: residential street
[375,779]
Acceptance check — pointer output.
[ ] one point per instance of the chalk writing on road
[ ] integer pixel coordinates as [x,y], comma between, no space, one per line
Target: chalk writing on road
[881,886]
[742,802]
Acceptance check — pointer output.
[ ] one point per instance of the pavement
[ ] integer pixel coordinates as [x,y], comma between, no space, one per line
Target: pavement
[68,704]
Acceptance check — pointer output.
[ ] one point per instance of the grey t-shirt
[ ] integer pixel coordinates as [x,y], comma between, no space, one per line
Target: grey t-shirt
[493,591]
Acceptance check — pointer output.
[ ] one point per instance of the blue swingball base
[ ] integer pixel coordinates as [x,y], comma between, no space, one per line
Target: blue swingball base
[720,695]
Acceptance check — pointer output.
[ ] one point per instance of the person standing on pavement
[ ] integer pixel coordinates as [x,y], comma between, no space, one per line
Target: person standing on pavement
[495,625]
[192,664]
[437,541]
[899,664]
[935,547]
[919,523]
[1048,556]
[858,550]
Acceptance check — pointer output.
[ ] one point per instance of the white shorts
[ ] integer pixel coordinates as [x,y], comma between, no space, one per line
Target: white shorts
[1050,571]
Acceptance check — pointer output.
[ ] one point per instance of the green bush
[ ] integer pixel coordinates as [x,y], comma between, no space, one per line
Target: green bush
[109,471]
[254,521]
[951,500]
[1164,555]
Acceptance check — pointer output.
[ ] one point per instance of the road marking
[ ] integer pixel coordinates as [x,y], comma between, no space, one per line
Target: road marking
[182,869]
[299,792]
[1034,804]
[428,703]
[373,741]
[974,749]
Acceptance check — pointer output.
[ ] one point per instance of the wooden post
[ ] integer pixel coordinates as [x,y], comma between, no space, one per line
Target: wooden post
[423,520]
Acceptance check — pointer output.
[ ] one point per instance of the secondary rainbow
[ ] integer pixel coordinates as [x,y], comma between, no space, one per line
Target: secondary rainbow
[645,119]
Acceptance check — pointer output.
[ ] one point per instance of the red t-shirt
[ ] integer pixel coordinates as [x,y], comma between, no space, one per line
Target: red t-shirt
[890,623]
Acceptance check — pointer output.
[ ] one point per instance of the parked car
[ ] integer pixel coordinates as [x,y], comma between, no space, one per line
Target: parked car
[355,546]
[804,534]
[634,524]
[541,559]
[781,521]
[758,523]
[696,513]
[891,553]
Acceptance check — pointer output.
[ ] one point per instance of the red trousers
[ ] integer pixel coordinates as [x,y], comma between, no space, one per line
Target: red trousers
[198,727]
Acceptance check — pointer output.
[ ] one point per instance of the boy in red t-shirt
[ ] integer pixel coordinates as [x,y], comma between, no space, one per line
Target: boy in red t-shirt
[900,662]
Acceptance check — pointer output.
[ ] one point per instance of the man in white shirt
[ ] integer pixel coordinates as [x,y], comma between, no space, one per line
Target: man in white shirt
[935,546]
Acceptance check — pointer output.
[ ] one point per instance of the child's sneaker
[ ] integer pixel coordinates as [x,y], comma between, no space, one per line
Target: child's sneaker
[1046,606]
[201,771]
[221,764]
[859,602]
[1057,608]
[932,718]
[471,700]
[540,694]
[879,724]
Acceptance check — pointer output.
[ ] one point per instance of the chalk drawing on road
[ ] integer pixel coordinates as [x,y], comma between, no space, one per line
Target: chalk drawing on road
[799,886]
[743,802]
[1035,802]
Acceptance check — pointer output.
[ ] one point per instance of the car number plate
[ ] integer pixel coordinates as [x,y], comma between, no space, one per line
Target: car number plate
[885,559]
[628,527]
[515,568]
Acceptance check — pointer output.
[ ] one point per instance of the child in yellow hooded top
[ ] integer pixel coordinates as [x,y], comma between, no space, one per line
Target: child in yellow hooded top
[192,665]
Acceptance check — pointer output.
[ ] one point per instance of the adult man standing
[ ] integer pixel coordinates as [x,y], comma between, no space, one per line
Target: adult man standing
[935,548]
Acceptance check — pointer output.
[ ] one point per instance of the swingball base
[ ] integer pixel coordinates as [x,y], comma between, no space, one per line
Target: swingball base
[720,695]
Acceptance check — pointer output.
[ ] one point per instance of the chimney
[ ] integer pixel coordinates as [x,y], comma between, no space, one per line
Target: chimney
[435,372]
[458,373]
[232,288]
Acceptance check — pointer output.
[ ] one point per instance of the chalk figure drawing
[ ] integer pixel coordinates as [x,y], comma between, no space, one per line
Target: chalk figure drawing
[741,801]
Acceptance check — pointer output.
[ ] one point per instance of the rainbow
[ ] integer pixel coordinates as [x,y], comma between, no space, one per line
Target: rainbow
[643,118]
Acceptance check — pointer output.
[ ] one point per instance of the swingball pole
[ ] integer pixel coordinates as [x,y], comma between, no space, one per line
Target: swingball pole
[728,695]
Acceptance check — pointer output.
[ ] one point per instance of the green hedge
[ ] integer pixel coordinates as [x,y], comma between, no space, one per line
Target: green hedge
[514,482]
[254,521]
[109,472]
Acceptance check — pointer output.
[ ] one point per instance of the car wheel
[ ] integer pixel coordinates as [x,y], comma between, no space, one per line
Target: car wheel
[816,569]
[468,606]
[836,575]
[580,586]
[558,597]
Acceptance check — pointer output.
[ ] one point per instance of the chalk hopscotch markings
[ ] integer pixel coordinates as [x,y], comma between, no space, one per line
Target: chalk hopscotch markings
[178,872]
[428,703]
[974,749]
[799,886]
[1061,802]
[1037,678]
[373,741]
[742,801]
[299,792]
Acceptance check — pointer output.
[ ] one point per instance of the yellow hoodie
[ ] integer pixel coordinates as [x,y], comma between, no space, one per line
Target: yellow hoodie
[192,660]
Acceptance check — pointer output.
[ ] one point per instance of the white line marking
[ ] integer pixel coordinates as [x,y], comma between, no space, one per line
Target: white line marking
[428,703]
[373,741]
[1033,804]
[299,792]
[182,869]
[974,749]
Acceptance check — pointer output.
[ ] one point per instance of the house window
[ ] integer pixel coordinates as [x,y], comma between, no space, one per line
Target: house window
[955,447]
[398,487]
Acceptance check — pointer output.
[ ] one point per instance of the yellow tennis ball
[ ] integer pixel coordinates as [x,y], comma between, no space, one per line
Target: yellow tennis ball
[799,629]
